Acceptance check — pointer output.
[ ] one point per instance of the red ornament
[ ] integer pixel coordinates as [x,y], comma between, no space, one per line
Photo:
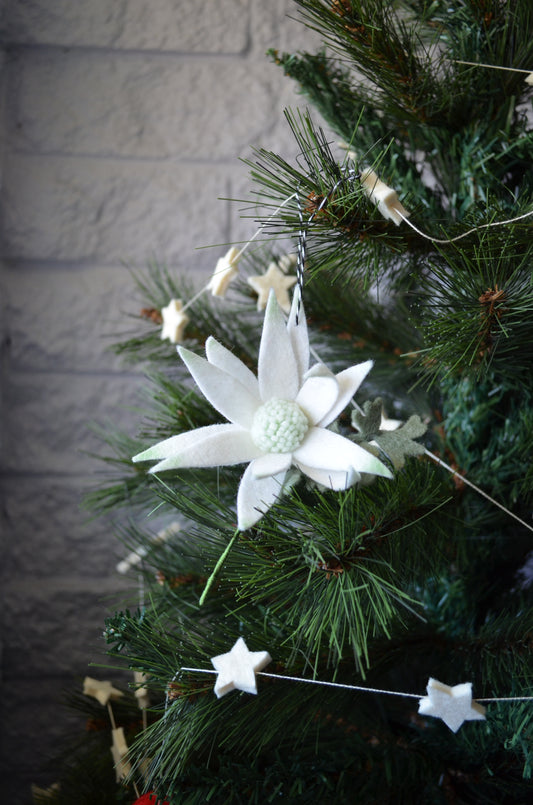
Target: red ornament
[150,799]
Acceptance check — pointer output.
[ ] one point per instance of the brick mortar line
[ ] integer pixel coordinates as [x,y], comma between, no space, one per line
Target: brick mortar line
[67,50]
[75,155]
[109,373]
[66,582]
[12,262]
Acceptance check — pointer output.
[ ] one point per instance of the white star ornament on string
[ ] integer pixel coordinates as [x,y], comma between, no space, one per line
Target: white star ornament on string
[119,752]
[225,269]
[100,689]
[453,705]
[384,197]
[276,280]
[277,420]
[175,321]
[236,670]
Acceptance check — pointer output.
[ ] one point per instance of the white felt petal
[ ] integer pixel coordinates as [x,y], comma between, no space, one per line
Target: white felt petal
[256,496]
[212,446]
[318,394]
[337,481]
[271,464]
[221,357]
[349,381]
[326,450]
[224,392]
[181,441]
[277,369]
[298,335]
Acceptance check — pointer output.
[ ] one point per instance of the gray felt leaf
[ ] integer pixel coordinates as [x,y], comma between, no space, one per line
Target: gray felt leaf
[368,421]
[396,444]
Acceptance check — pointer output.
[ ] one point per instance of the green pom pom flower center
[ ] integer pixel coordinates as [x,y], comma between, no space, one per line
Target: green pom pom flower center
[279,426]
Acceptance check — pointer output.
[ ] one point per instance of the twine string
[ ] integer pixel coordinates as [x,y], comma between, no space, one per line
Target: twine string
[348,175]
[243,249]
[463,234]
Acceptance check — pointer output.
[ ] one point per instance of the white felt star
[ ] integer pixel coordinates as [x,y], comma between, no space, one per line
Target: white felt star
[225,270]
[236,670]
[174,321]
[453,704]
[100,690]
[280,283]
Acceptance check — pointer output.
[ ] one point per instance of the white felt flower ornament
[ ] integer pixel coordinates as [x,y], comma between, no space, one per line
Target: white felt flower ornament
[276,419]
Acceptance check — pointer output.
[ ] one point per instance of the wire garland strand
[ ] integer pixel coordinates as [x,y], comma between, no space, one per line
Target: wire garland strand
[357,688]
[492,66]
[465,480]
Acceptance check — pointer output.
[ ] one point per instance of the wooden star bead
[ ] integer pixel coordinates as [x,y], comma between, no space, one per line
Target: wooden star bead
[174,321]
[141,691]
[225,270]
[119,751]
[100,690]
[384,197]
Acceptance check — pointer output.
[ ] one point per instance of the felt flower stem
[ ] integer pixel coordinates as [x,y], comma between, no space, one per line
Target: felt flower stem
[218,565]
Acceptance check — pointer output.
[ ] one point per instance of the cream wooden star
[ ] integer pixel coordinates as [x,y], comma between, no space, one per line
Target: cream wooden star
[453,705]
[40,794]
[384,197]
[236,670]
[119,751]
[174,321]
[141,691]
[100,690]
[278,281]
[225,269]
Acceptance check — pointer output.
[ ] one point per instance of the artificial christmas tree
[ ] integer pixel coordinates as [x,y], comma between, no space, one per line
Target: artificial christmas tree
[362,558]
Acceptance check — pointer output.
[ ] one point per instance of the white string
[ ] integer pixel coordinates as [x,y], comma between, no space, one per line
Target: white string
[491,66]
[508,699]
[303,230]
[265,223]
[464,234]
[355,687]
[477,489]
[303,233]
[242,250]
[193,299]
[443,464]
[314,682]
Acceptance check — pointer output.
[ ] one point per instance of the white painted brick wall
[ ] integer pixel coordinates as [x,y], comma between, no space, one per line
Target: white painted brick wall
[122,125]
